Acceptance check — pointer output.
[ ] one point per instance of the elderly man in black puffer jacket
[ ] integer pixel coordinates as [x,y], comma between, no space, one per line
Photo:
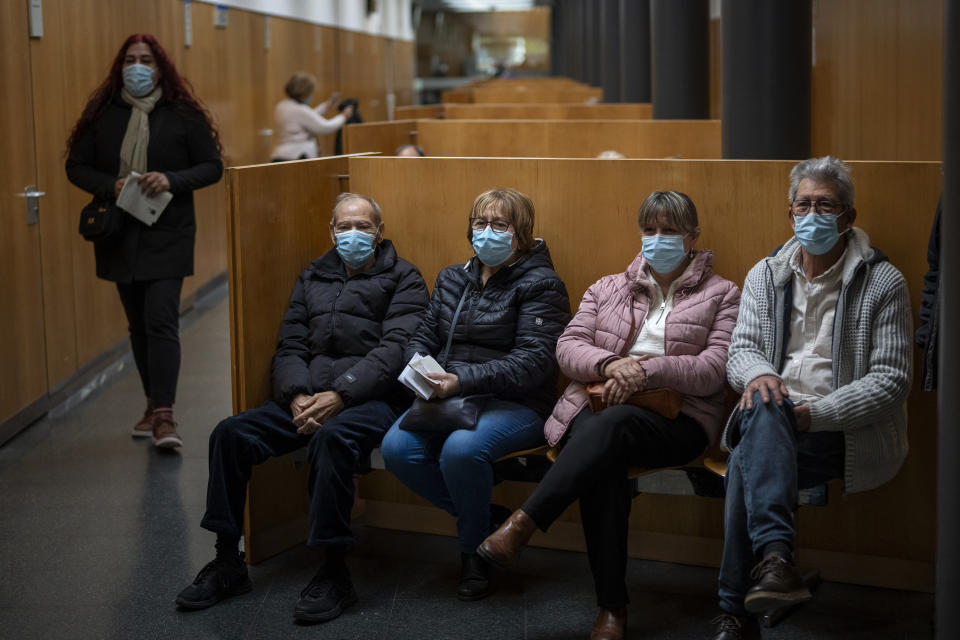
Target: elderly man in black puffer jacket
[335,391]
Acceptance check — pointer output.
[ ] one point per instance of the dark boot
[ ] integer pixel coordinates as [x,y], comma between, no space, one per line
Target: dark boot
[611,624]
[504,545]
[777,583]
[475,579]
[730,627]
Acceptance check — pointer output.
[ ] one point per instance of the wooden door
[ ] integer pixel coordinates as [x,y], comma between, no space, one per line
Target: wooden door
[23,371]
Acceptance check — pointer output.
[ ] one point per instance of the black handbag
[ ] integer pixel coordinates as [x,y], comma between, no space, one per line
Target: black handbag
[449,414]
[100,220]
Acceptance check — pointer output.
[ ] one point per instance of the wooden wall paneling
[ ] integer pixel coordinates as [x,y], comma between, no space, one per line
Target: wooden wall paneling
[382,137]
[919,114]
[403,72]
[561,111]
[274,233]
[361,79]
[570,138]
[883,536]
[24,375]
[876,81]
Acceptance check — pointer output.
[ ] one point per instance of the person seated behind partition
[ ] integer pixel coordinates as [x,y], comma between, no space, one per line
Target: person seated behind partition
[297,124]
[409,151]
[492,324]
[664,322]
[822,355]
[334,391]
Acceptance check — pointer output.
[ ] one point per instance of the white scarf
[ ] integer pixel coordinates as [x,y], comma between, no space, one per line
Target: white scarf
[133,150]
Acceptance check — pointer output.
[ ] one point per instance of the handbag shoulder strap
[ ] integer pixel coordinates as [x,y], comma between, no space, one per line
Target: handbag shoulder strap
[453,325]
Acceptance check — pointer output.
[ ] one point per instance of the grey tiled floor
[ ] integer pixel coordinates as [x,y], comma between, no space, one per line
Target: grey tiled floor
[98,533]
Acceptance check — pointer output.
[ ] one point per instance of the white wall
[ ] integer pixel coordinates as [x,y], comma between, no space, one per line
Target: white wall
[391,19]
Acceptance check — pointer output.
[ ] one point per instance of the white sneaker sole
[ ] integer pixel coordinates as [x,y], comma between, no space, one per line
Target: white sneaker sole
[170,442]
[137,433]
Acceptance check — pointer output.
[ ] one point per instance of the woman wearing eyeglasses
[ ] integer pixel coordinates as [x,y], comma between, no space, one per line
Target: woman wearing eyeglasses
[493,325]
[664,322]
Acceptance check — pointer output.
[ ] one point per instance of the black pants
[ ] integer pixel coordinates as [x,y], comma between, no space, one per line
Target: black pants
[153,316]
[336,451]
[592,467]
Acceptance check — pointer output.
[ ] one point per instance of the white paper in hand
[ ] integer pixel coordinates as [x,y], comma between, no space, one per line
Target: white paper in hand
[138,204]
[414,375]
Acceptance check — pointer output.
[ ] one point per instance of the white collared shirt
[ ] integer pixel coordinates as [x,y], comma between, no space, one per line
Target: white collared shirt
[808,366]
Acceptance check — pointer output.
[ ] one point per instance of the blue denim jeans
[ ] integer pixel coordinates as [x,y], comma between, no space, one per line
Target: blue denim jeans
[767,466]
[454,471]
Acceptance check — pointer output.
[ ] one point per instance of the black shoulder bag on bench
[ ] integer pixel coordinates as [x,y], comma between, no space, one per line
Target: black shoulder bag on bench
[449,414]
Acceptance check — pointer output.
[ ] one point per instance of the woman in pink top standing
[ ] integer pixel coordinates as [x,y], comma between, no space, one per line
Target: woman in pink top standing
[665,322]
[297,124]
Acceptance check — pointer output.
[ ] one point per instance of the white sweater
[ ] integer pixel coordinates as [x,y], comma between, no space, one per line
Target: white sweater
[872,355]
[296,129]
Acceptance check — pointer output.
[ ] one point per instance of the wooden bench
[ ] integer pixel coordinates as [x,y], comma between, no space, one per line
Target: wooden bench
[278,216]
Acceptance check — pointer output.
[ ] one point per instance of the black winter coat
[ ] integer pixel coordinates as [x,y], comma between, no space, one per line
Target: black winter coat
[348,334]
[506,335]
[182,147]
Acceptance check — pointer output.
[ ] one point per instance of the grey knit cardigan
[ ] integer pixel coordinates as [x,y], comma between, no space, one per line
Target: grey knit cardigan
[872,359]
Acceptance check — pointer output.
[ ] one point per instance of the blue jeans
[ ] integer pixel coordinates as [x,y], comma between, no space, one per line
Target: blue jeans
[767,466]
[454,471]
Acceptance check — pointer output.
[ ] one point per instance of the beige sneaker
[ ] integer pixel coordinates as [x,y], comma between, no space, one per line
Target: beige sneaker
[144,428]
[165,429]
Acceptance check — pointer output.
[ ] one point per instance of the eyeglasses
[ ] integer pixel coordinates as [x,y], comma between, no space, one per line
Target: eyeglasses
[803,207]
[498,226]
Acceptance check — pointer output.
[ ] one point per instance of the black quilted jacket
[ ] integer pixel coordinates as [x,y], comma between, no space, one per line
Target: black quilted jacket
[348,334]
[506,335]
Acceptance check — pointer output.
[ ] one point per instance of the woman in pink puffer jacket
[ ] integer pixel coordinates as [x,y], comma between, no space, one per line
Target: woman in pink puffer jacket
[665,322]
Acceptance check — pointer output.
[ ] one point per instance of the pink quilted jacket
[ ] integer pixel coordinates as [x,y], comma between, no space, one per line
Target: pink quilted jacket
[697,334]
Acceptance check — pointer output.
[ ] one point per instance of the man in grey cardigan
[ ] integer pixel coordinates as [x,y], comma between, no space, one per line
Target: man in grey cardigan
[822,355]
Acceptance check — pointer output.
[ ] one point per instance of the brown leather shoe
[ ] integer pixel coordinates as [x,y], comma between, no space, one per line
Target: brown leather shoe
[609,625]
[777,583]
[165,433]
[503,545]
[731,627]
[144,427]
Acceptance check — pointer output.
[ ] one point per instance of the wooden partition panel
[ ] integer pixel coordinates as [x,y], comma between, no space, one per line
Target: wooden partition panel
[586,212]
[570,138]
[379,137]
[623,111]
[420,111]
[275,231]
[499,96]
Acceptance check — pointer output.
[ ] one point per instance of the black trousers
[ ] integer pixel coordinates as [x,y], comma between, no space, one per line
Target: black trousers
[153,316]
[592,467]
[336,451]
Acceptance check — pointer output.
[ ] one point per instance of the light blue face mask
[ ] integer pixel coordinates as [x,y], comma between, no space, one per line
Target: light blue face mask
[138,79]
[493,248]
[816,232]
[664,253]
[355,247]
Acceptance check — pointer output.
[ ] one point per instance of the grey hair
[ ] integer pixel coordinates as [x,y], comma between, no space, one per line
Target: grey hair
[343,197]
[825,169]
[676,207]
[415,147]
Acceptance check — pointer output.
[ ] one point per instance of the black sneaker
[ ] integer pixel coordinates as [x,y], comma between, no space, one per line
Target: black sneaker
[475,579]
[326,597]
[219,579]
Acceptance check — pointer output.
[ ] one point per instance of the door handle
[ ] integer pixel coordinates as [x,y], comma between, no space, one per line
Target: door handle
[33,205]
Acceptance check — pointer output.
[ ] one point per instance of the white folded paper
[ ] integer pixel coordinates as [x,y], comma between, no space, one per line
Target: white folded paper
[414,375]
[138,204]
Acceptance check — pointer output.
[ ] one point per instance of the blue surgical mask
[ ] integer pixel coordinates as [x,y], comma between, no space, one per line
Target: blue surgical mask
[355,247]
[664,253]
[816,232]
[493,248]
[138,79]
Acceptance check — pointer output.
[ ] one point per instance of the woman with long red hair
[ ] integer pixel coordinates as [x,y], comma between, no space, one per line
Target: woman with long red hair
[144,119]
